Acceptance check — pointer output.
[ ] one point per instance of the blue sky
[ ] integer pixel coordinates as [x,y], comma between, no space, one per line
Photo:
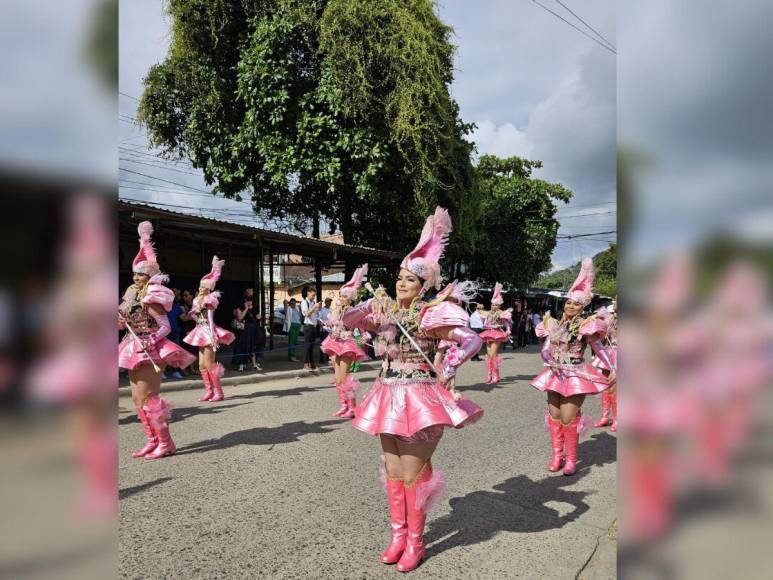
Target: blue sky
[534,87]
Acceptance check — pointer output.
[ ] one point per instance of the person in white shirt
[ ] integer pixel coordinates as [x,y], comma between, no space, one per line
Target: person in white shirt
[476,323]
[310,309]
[324,312]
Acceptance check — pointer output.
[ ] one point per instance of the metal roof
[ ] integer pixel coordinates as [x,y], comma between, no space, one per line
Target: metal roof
[279,241]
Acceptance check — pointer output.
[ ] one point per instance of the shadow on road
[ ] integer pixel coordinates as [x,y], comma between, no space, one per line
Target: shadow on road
[130,491]
[519,504]
[287,433]
[182,413]
[279,393]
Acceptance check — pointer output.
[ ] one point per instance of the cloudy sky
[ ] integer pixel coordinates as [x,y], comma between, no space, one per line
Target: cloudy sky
[534,86]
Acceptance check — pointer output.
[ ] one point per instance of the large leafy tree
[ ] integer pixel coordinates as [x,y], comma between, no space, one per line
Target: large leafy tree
[335,110]
[605,266]
[517,229]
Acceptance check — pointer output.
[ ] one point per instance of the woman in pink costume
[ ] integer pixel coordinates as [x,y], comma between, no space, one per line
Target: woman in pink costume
[144,350]
[609,396]
[341,346]
[207,335]
[568,379]
[409,405]
[497,323]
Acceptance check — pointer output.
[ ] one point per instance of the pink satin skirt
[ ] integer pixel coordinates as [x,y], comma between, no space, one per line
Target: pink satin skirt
[493,335]
[165,352]
[343,348]
[581,379]
[403,407]
[199,336]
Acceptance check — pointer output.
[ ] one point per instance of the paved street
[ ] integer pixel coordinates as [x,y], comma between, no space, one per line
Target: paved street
[268,484]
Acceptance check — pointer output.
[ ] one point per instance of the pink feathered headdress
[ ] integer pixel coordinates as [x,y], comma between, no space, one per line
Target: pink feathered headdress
[582,289]
[424,260]
[350,288]
[459,291]
[211,279]
[496,298]
[145,261]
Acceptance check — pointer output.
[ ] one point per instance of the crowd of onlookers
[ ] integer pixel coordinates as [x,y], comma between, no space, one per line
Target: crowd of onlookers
[308,317]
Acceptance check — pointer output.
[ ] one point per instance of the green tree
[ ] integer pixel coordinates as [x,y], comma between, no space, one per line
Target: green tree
[517,229]
[327,109]
[604,265]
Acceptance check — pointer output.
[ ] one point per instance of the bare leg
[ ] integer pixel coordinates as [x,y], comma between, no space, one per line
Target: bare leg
[349,393]
[206,358]
[554,405]
[569,407]
[392,463]
[413,456]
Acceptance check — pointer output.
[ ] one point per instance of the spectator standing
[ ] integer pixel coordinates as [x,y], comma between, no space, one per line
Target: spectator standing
[174,322]
[292,327]
[536,320]
[310,310]
[324,312]
[476,324]
[188,323]
[245,325]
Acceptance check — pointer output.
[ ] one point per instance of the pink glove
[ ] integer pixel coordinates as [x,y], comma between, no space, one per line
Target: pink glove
[469,344]
[601,351]
[164,328]
[545,352]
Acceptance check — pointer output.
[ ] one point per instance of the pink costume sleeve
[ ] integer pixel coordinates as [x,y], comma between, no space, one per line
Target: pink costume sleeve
[159,294]
[595,326]
[469,344]
[164,328]
[540,330]
[444,314]
[545,353]
[211,301]
[359,317]
[602,352]
[507,319]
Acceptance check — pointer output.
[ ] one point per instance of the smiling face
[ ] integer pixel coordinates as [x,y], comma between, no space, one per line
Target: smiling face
[408,286]
[572,308]
[140,280]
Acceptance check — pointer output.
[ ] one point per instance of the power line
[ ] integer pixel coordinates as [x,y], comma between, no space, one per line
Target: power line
[596,32]
[573,26]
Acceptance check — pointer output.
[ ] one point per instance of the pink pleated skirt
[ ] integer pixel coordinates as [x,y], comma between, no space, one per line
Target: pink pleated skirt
[581,379]
[403,407]
[343,348]
[165,352]
[199,336]
[493,335]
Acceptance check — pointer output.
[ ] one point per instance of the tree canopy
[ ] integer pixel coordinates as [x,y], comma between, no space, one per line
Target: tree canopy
[605,266]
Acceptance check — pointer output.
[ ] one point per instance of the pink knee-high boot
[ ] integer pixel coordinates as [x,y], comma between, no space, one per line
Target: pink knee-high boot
[606,402]
[571,439]
[350,389]
[341,399]
[556,442]
[613,401]
[158,411]
[207,396]
[489,367]
[420,495]
[398,523]
[495,378]
[214,377]
[149,433]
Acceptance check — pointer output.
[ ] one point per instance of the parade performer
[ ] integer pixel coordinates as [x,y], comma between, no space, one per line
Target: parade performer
[207,335]
[145,350]
[409,405]
[341,345]
[609,396]
[496,324]
[568,379]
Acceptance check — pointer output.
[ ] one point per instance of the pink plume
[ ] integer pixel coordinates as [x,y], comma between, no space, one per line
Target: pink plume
[431,492]
[496,297]
[354,284]
[583,424]
[218,370]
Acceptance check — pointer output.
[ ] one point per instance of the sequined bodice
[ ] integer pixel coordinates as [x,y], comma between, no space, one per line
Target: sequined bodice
[138,317]
[567,344]
[401,359]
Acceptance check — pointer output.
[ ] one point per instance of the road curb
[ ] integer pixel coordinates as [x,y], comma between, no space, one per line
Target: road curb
[185,385]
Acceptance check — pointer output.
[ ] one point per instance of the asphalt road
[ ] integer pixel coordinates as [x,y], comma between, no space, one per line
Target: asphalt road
[268,484]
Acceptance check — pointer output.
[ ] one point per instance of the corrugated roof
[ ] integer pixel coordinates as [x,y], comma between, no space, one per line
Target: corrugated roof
[264,233]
